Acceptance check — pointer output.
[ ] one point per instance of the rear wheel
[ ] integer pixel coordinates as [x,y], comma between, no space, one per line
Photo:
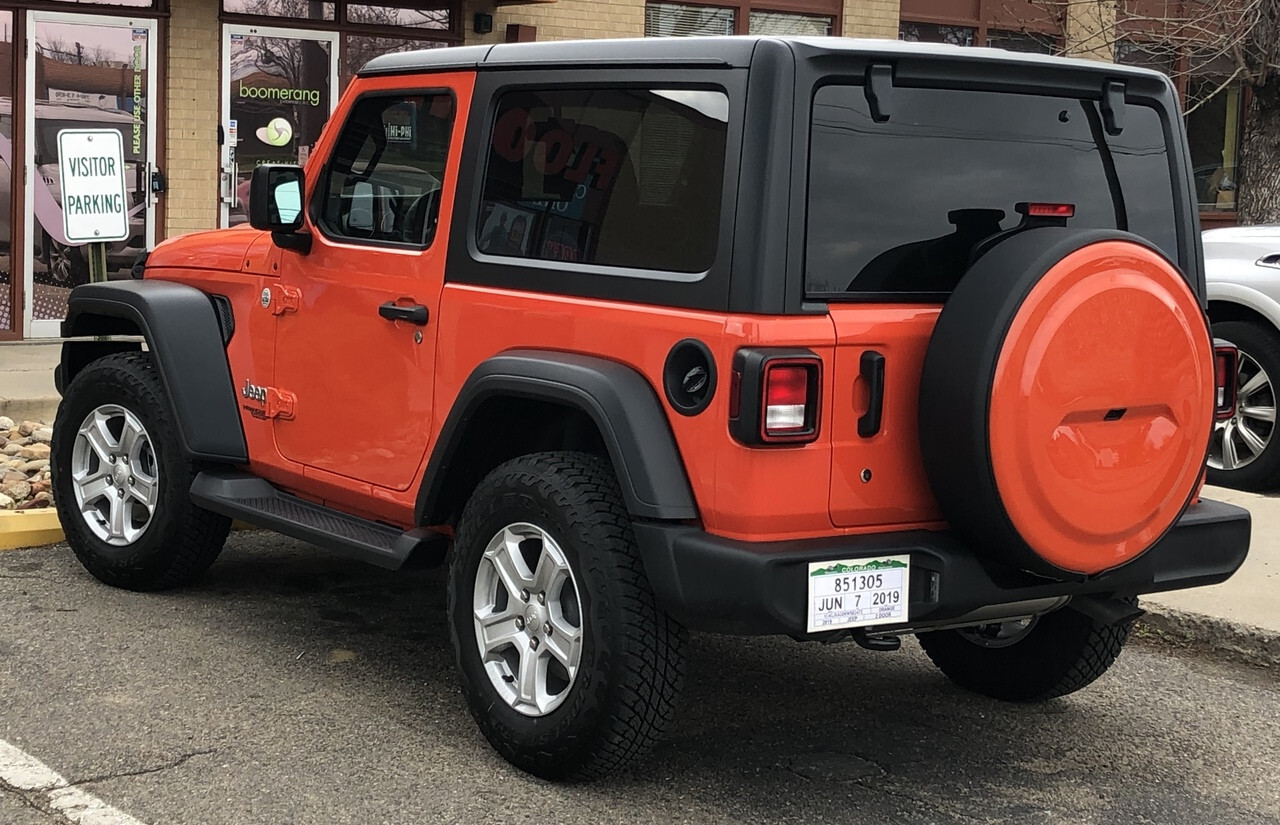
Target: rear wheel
[1028,660]
[569,667]
[1244,452]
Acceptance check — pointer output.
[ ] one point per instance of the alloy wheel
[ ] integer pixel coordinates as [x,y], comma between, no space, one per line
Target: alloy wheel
[115,475]
[528,619]
[1240,440]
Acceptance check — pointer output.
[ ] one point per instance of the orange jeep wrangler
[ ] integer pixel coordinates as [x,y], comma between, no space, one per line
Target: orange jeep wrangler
[826,338]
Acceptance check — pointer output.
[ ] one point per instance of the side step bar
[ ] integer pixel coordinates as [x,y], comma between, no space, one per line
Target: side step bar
[254,500]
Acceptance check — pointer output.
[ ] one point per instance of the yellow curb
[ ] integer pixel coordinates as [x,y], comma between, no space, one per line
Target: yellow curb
[29,528]
[33,528]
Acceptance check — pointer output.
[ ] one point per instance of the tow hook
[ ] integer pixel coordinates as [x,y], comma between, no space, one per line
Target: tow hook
[869,642]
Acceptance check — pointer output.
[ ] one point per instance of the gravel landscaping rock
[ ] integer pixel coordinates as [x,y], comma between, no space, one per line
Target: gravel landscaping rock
[24,465]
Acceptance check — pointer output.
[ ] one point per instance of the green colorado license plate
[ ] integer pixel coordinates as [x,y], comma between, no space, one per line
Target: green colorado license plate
[858,592]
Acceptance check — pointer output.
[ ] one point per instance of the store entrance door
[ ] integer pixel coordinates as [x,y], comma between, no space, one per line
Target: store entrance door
[85,72]
[278,88]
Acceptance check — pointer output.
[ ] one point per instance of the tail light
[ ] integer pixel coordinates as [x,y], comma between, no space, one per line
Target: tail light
[1225,366]
[775,396]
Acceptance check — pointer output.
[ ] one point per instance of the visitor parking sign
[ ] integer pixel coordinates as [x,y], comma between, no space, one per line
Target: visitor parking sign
[95,204]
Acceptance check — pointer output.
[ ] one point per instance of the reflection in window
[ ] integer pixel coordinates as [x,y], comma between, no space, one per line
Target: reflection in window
[280,99]
[629,178]
[685,20]
[359,50]
[294,9]
[437,19]
[947,172]
[383,182]
[936,33]
[1213,131]
[1028,42]
[133,4]
[8,321]
[789,25]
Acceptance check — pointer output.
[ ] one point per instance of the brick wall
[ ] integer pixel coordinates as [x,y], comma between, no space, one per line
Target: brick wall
[871,18]
[192,105]
[578,19]
[1090,29]
[562,20]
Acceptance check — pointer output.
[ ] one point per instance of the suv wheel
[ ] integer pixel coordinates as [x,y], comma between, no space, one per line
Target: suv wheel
[120,480]
[1243,452]
[1029,660]
[568,666]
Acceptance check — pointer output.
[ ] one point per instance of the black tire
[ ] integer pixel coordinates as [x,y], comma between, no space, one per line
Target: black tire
[631,666]
[1261,344]
[180,540]
[1061,653]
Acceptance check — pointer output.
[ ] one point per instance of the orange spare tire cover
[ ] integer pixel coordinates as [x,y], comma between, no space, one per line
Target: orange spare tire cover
[1086,426]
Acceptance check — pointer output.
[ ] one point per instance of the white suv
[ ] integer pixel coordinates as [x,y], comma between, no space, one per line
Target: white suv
[1242,268]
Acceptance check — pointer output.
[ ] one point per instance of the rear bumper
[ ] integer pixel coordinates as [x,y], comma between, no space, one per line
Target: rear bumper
[727,586]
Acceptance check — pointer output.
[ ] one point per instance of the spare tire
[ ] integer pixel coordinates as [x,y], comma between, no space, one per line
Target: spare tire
[1066,400]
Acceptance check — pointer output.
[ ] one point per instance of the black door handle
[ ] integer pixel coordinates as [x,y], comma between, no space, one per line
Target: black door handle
[414,313]
[873,373]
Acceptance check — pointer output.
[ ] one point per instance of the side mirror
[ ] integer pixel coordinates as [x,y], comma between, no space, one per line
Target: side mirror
[275,198]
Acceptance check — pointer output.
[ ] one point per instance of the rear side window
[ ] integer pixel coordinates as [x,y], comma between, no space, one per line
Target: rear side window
[615,177]
[383,183]
[901,206]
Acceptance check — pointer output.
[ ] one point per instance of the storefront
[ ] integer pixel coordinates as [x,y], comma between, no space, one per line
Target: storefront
[201,93]
[204,90]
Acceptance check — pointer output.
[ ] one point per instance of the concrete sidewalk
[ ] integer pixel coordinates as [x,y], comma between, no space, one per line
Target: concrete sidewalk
[1242,614]
[26,380]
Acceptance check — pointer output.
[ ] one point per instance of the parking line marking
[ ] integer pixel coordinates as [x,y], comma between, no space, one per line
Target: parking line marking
[23,772]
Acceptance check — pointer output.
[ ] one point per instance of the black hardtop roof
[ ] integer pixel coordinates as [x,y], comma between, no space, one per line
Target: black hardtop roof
[708,52]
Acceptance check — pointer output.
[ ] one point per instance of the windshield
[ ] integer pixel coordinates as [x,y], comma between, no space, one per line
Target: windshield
[901,207]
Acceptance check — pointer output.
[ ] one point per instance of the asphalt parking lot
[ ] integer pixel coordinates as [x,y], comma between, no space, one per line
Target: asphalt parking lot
[291,687]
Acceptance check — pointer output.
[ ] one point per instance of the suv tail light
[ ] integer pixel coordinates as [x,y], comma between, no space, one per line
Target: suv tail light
[1225,364]
[775,396]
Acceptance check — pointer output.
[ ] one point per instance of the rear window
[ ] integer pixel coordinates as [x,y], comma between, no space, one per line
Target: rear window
[899,207]
[615,177]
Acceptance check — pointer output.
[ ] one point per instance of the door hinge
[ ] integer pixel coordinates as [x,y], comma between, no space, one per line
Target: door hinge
[281,299]
[280,403]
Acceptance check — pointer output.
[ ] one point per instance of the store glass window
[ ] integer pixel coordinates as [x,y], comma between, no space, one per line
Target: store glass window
[790,25]
[8,287]
[438,19]
[1029,42]
[360,49]
[616,177]
[685,20]
[290,9]
[1213,132]
[937,33]
[133,4]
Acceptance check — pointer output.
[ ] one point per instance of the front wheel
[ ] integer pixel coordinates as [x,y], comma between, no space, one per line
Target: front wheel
[568,666]
[120,480]
[1030,660]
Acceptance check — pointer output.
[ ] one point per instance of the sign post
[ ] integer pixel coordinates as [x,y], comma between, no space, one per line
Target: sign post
[95,201]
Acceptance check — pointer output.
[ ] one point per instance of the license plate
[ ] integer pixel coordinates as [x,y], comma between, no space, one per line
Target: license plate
[858,592]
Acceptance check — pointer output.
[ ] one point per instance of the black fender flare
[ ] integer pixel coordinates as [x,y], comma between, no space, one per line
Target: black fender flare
[621,402]
[182,333]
